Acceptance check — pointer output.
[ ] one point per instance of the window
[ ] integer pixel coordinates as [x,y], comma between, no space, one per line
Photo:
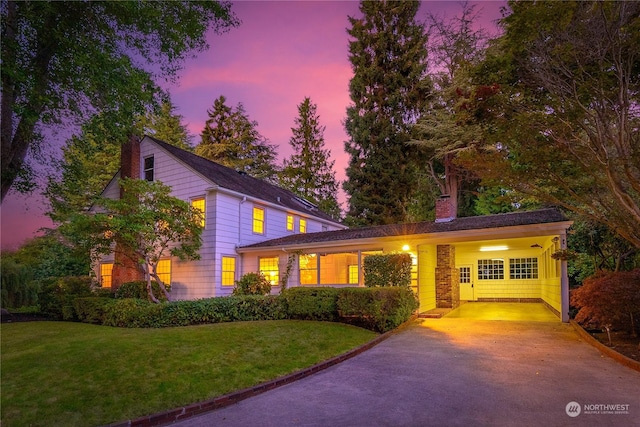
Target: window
[289,222]
[308,269]
[200,205]
[523,268]
[148,168]
[465,274]
[228,270]
[269,269]
[303,225]
[164,271]
[353,274]
[334,268]
[490,269]
[258,220]
[106,272]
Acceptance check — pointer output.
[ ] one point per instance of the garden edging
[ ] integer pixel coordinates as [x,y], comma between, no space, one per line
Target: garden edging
[178,414]
[620,358]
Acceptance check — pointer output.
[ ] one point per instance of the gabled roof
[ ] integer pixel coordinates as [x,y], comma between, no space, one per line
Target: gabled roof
[242,183]
[542,216]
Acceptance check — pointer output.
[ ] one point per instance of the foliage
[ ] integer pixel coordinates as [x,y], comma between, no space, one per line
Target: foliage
[166,124]
[443,130]
[561,124]
[252,284]
[91,309]
[68,362]
[138,289]
[230,138]
[137,313]
[378,309]
[308,172]
[62,61]
[388,90]
[387,270]
[147,221]
[610,300]
[57,294]
[18,288]
[307,303]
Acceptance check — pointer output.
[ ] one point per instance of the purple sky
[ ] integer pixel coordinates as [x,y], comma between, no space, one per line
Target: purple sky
[281,53]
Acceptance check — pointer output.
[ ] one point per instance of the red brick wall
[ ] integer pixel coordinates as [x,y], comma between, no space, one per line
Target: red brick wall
[444,209]
[447,278]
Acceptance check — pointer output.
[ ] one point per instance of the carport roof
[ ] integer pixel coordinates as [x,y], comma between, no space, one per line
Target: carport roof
[541,216]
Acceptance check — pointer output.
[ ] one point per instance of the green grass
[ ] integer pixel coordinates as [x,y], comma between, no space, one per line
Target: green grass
[74,374]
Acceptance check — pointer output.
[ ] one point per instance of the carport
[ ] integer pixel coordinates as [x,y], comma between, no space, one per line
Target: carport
[530,312]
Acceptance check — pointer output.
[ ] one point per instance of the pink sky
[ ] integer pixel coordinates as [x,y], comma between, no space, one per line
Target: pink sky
[281,53]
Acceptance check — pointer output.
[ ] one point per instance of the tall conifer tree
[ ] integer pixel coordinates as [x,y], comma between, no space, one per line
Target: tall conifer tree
[232,139]
[309,172]
[388,57]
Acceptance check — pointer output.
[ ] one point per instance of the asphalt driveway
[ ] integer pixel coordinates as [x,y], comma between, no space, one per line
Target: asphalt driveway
[455,372]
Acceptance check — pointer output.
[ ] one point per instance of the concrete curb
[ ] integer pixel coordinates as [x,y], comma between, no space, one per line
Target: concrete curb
[620,358]
[182,413]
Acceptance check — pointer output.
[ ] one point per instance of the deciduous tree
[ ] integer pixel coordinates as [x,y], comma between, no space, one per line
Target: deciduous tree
[63,61]
[308,172]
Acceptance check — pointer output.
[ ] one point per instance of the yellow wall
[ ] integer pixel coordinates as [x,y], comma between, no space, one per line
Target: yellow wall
[427,277]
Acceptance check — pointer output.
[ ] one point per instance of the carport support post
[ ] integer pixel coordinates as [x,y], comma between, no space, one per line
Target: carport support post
[447,278]
[564,282]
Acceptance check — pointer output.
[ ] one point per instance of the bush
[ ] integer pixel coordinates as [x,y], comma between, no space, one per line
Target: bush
[387,270]
[252,284]
[91,309]
[138,289]
[132,313]
[312,303]
[609,300]
[57,294]
[18,288]
[378,309]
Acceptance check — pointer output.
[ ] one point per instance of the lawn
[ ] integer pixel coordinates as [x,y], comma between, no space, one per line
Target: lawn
[74,374]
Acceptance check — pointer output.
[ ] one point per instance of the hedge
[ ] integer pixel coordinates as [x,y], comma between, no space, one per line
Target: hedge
[91,309]
[387,270]
[378,309]
[312,303]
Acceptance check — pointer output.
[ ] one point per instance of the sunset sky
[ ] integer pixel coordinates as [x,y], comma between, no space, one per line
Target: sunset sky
[281,53]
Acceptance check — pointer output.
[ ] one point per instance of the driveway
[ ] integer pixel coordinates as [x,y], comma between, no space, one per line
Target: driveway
[455,372]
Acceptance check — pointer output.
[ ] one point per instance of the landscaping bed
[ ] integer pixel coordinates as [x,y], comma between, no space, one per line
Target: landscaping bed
[622,342]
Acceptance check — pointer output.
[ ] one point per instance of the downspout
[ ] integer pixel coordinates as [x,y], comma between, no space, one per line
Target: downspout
[244,199]
[564,281]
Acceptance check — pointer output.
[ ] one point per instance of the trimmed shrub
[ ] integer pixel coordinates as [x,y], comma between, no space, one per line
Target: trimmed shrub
[609,300]
[91,309]
[132,313]
[138,289]
[387,270]
[312,303]
[57,294]
[252,284]
[378,309]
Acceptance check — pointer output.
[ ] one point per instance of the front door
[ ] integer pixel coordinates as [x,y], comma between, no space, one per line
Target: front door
[466,284]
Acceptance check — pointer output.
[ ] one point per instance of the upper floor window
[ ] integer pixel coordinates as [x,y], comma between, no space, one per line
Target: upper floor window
[523,268]
[303,225]
[490,269]
[200,205]
[289,222]
[258,220]
[148,168]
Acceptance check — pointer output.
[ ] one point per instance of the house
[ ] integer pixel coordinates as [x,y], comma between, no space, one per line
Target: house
[254,226]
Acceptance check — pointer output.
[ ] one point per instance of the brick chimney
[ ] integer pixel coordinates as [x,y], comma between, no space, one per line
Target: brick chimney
[445,210]
[125,267]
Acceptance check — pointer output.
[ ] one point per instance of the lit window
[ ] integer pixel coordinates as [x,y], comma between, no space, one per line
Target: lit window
[164,271]
[148,168]
[465,274]
[490,269]
[308,269]
[523,268]
[290,222]
[199,205]
[258,220]
[269,269]
[106,272]
[303,225]
[353,274]
[228,271]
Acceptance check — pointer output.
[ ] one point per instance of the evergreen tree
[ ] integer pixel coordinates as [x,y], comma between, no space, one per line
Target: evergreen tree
[388,89]
[167,125]
[232,139]
[309,172]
